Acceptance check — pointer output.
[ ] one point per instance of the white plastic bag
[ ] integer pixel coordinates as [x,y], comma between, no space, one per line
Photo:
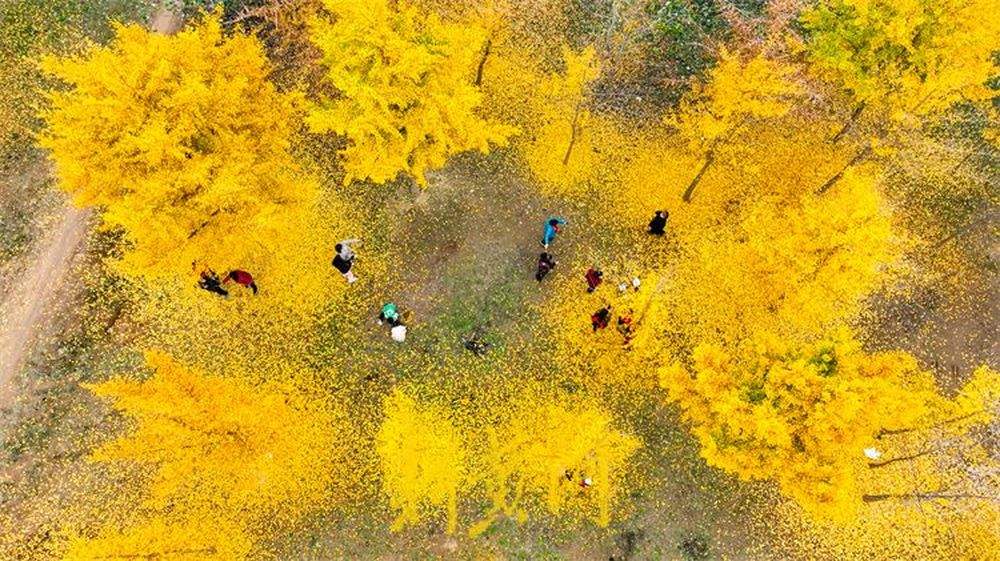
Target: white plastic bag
[398,333]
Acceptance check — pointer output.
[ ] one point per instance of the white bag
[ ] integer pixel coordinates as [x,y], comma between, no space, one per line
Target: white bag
[398,333]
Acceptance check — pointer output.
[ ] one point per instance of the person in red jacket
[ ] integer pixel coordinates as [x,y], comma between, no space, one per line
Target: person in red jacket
[594,278]
[241,278]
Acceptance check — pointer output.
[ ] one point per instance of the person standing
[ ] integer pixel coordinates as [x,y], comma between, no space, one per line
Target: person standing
[626,327]
[343,259]
[398,333]
[552,225]
[241,278]
[594,278]
[657,226]
[545,265]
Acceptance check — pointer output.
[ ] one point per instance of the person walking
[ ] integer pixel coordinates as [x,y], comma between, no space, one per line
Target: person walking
[657,226]
[594,278]
[210,281]
[600,318]
[552,225]
[241,278]
[476,344]
[343,259]
[546,262]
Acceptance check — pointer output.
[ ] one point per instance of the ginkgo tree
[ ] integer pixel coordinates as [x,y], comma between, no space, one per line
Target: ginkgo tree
[423,460]
[904,62]
[181,141]
[406,99]
[910,58]
[811,417]
[561,150]
[786,261]
[224,441]
[944,457]
[553,451]
[735,92]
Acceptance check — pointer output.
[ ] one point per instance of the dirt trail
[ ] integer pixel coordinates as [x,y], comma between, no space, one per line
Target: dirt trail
[34,293]
[23,309]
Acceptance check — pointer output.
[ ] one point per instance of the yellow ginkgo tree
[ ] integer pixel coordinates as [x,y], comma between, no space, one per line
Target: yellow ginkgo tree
[910,58]
[902,62]
[561,151]
[423,460]
[239,446]
[181,141]
[735,92]
[552,451]
[406,95]
[813,417]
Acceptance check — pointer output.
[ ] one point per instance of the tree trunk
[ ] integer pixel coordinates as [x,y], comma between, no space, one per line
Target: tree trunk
[482,62]
[889,432]
[572,138]
[203,224]
[860,156]
[689,192]
[922,496]
[883,463]
[850,123]
[153,556]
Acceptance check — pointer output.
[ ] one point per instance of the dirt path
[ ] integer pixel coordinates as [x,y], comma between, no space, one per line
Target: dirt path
[165,21]
[23,309]
[35,292]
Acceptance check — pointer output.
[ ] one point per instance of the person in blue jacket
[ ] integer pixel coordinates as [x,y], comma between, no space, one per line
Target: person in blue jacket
[552,225]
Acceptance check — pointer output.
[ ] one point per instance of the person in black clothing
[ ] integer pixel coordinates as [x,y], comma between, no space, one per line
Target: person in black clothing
[343,259]
[659,222]
[600,318]
[210,281]
[545,264]
[476,344]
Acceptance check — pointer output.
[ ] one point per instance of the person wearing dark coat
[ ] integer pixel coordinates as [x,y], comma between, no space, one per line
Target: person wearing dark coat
[545,265]
[657,226]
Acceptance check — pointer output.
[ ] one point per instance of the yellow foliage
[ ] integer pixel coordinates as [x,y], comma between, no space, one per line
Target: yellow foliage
[223,441]
[893,531]
[183,143]
[785,265]
[979,398]
[202,537]
[560,152]
[422,458]
[735,92]
[912,57]
[801,415]
[406,98]
[758,251]
[543,451]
